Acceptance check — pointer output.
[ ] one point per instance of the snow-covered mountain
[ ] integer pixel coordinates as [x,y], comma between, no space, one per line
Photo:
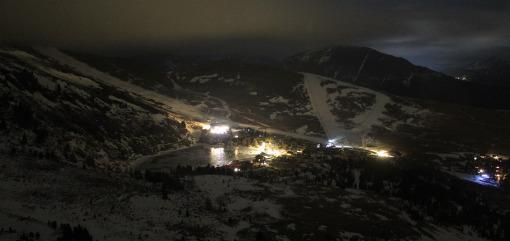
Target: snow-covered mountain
[265,96]
[370,68]
[310,106]
[88,107]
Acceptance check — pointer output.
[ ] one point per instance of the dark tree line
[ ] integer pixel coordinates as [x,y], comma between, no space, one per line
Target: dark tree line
[171,181]
[70,233]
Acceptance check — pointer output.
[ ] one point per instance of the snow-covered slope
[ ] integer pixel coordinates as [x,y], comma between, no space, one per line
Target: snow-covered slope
[190,103]
[243,93]
[326,102]
[349,112]
[171,104]
[51,110]
[319,100]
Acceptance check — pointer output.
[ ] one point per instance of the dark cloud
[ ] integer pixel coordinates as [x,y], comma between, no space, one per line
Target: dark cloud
[430,32]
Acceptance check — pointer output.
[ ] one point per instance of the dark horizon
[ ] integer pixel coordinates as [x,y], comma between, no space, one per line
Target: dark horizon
[435,34]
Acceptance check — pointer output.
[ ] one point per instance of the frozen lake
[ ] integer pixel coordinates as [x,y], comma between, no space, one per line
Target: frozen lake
[197,156]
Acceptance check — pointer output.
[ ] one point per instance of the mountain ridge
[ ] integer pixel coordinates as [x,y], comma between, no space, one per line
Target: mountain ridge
[379,71]
[260,96]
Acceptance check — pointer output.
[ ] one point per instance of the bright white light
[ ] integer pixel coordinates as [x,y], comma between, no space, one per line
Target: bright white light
[219,130]
[237,169]
[217,156]
[331,143]
[382,153]
[236,136]
[206,126]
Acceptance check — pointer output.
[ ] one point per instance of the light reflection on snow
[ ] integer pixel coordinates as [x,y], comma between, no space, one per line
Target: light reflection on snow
[218,157]
[484,179]
[479,179]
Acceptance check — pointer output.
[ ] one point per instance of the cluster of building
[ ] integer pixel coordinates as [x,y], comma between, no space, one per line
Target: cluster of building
[490,168]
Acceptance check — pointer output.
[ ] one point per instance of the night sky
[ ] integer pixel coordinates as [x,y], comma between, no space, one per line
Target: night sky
[434,33]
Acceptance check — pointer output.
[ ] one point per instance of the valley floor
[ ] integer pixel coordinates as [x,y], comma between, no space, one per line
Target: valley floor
[286,202]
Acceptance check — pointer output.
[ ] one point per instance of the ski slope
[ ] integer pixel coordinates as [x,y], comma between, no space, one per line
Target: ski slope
[322,103]
[319,100]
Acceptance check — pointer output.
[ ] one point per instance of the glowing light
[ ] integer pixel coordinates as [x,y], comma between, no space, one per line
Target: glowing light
[497,157]
[485,176]
[237,169]
[382,153]
[334,143]
[218,156]
[481,171]
[268,149]
[219,130]
[331,143]
[206,126]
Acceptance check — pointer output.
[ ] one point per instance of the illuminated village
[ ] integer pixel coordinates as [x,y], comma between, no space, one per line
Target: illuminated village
[241,147]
